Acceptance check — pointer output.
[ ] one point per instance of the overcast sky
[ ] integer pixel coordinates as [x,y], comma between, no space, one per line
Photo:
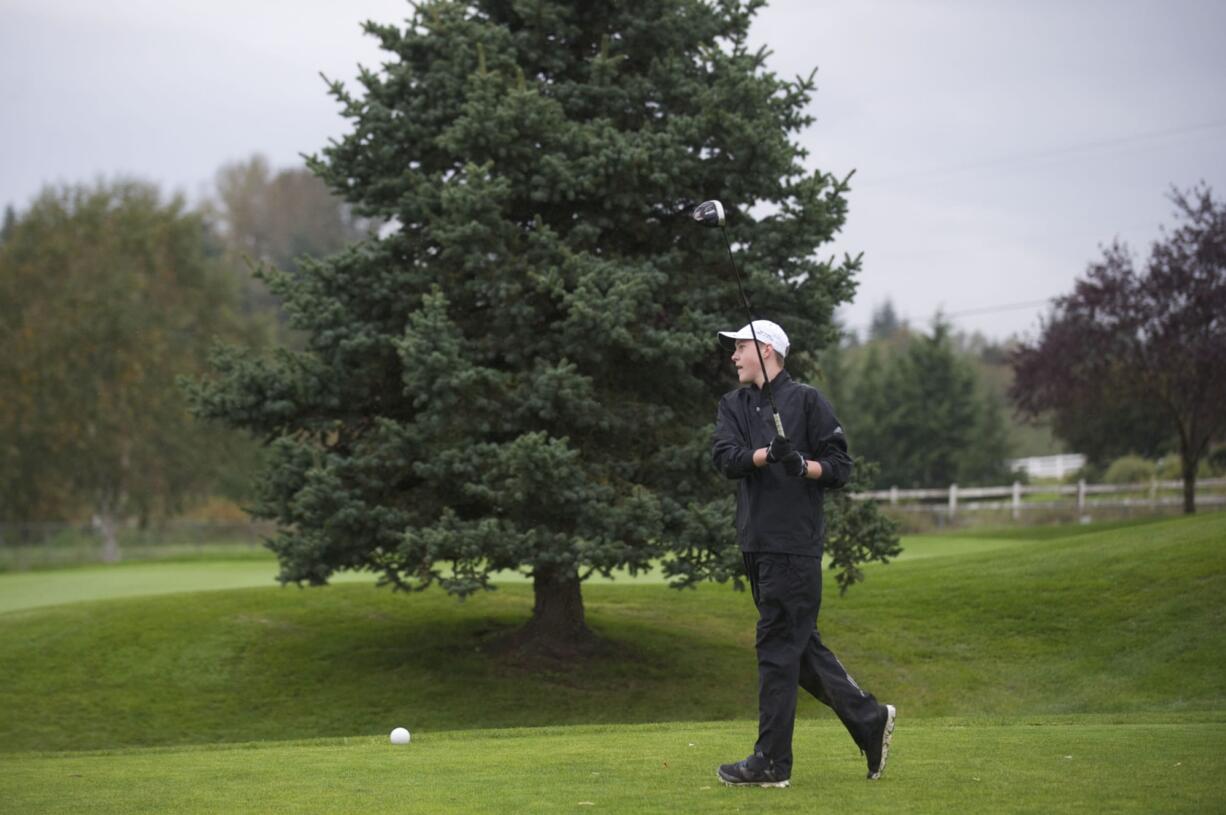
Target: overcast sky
[996,144]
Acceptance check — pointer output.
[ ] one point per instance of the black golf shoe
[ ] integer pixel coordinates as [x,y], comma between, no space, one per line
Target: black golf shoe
[879,744]
[754,771]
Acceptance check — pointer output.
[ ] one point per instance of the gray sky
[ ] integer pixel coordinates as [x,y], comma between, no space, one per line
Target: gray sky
[996,144]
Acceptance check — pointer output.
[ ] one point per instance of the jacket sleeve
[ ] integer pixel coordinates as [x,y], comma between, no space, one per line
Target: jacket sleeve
[830,445]
[728,446]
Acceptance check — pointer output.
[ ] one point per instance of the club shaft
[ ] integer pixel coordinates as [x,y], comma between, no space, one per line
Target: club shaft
[766,383]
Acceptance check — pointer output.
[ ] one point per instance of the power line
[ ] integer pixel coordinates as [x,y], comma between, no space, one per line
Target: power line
[1000,308]
[1052,153]
[972,311]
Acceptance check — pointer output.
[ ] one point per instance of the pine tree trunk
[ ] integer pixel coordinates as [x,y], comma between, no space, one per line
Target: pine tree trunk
[557,628]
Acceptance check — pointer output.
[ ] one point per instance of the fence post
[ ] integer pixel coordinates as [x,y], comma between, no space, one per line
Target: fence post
[893,496]
[1081,495]
[953,500]
[1153,491]
[1017,500]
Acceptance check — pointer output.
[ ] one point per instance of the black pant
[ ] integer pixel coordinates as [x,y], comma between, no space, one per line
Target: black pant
[787,589]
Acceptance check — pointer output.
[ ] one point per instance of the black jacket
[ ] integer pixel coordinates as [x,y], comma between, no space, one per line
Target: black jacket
[776,512]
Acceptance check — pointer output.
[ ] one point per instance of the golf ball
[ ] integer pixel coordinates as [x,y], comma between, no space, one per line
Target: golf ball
[400,736]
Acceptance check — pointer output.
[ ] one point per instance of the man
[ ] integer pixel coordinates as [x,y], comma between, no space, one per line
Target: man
[781,527]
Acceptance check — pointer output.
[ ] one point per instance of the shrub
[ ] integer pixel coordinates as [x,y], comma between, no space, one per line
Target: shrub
[1170,468]
[1216,461]
[1130,469]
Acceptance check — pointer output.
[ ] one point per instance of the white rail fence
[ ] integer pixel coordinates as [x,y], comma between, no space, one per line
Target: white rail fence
[1056,466]
[961,499]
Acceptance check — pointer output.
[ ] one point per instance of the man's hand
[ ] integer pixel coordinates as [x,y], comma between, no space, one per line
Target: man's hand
[795,464]
[781,447]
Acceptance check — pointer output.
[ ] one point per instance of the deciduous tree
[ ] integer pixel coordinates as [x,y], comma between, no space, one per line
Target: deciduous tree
[106,296]
[1140,340]
[262,216]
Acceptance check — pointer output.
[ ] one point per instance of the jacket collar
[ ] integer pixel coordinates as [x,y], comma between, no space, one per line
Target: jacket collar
[781,378]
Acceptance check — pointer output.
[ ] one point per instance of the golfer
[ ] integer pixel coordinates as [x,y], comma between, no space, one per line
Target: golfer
[780,524]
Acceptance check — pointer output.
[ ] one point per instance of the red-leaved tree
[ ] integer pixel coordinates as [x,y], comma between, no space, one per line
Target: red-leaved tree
[1155,337]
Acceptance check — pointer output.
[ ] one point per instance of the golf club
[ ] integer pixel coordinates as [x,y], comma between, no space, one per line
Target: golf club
[711,213]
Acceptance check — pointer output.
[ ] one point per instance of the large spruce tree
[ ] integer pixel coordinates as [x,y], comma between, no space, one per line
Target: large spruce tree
[521,373]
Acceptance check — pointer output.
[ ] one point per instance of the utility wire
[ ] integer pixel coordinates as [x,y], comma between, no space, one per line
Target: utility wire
[975,311]
[1052,153]
[996,309]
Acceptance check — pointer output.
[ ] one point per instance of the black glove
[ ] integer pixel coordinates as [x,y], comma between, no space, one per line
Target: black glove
[781,448]
[795,464]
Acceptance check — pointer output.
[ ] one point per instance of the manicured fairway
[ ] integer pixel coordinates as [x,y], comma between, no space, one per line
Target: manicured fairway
[938,766]
[23,590]
[35,589]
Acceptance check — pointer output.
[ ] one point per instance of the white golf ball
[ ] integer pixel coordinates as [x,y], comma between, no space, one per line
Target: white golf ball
[400,736]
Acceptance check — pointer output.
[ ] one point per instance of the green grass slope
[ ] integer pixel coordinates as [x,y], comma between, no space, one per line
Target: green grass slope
[937,766]
[1111,622]
[1117,620]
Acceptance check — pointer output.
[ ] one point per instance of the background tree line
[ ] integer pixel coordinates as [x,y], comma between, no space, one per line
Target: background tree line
[121,266]
[1128,368]
[111,291]
[1133,360]
[929,405]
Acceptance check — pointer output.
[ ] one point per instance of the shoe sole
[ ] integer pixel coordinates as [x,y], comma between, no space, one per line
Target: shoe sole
[767,784]
[885,742]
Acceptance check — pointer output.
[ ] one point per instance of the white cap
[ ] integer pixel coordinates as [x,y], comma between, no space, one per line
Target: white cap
[767,332]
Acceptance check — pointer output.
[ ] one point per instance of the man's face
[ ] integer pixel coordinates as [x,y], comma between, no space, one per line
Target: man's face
[745,358]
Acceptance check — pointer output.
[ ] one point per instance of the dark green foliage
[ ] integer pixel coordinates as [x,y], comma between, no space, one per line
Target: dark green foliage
[858,532]
[931,413]
[9,223]
[885,323]
[854,375]
[1114,428]
[1130,469]
[922,413]
[865,422]
[984,460]
[523,372]
[1217,460]
[829,371]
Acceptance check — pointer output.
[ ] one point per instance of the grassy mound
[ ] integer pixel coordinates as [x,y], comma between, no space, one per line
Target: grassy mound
[1114,622]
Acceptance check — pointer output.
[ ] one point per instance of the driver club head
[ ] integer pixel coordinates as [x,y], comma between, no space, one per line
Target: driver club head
[709,213]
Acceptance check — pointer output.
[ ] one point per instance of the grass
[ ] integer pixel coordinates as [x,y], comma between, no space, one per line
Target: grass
[1040,532]
[1118,621]
[26,590]
[1055,669]
[223,566]
[937,766]
[66,546]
